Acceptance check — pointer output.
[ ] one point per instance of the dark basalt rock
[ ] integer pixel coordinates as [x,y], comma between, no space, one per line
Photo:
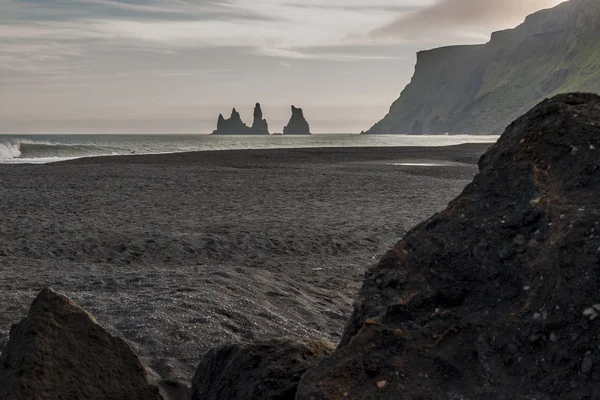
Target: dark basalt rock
[60,352]
[266,371]
[235,126]
[232,126]
[497,297]
[298,124]
[260,125]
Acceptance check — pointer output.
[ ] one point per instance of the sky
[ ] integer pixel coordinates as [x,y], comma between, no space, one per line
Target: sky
[171,66]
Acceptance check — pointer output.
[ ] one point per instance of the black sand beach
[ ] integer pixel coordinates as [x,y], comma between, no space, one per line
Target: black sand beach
[181,252]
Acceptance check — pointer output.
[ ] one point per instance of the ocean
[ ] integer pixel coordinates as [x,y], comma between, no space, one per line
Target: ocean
[39,149]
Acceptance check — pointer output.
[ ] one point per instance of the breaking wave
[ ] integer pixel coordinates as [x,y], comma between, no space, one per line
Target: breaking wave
[32,149]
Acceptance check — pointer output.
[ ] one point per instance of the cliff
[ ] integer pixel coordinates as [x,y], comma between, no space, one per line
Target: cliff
[479,89]
[298,124]
[496,297]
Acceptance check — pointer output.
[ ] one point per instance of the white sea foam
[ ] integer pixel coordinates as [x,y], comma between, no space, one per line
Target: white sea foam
[9,149]
[18,150]
[50,148]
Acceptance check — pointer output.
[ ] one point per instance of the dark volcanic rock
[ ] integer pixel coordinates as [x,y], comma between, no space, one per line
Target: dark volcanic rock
[494,297]
[260,125]
[232,126]
[298,124]
[60,352]
[235,126]
[266,371]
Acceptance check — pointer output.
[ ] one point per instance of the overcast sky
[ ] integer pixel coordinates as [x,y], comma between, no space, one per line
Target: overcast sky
[78,66]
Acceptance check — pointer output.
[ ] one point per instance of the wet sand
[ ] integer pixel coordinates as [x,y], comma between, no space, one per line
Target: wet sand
[181,252]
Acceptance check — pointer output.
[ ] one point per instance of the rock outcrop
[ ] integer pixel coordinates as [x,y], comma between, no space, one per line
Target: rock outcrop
[235,126]
[265,370]
[298,124]
[497,296]
[482,88]
[260,125]
[232,126]
[60,352]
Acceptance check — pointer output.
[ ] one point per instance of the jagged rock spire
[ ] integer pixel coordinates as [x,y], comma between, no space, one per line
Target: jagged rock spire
[260,125]
[235,126]
[298,124]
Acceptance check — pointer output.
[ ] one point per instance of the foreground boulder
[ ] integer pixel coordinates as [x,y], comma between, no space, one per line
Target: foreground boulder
[498,296]
[60,352]
[266,371]
[298,124]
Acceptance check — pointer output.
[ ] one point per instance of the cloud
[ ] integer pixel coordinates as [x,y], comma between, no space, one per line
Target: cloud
[461,18]
[313,54]
[273,28]
[35,58]
[361,5]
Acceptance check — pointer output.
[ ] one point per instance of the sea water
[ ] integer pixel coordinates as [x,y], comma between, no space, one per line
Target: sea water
[51,148]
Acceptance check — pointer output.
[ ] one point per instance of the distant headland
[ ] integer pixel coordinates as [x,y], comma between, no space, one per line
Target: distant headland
[474,89]
[235,126]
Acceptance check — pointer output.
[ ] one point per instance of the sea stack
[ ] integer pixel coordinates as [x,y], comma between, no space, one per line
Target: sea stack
[232,126]
[260,125]
[298,124]
[235,126]
[60,352]
[497,296]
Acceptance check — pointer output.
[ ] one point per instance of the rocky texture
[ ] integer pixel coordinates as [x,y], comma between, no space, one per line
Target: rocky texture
[497,296]
[264,370]
[480,89]
[260,125]
[60,352]
[170,389]
[298,124]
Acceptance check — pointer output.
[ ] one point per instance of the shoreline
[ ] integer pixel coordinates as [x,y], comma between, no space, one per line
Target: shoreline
[52,149]
[301,154]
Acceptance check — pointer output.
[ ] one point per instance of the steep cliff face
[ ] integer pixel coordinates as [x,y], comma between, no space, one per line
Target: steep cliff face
[481,88]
